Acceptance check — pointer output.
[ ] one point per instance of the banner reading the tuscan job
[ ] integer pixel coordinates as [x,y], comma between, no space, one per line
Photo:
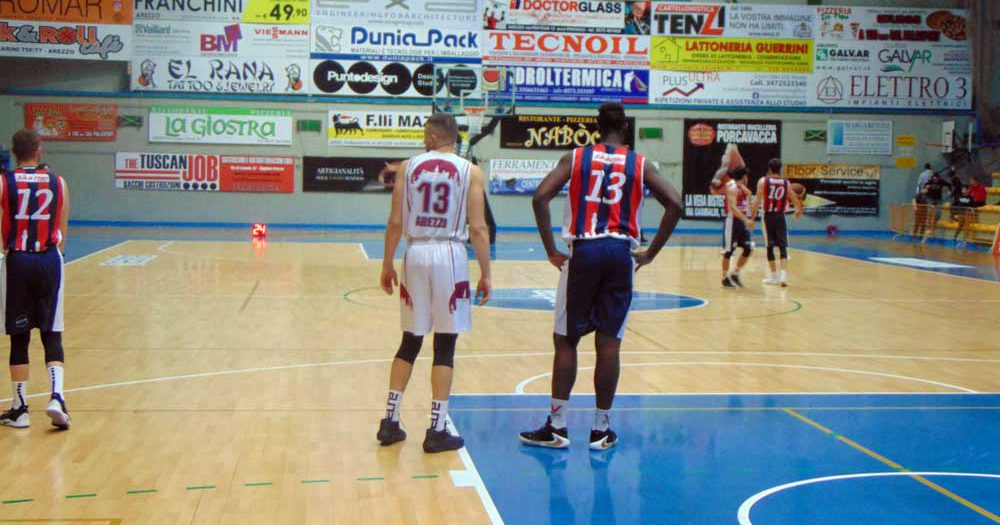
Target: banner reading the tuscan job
[841,189]
[705,142]
[261,127]
[79,29]
[347,174]
[553,132]
[204,173]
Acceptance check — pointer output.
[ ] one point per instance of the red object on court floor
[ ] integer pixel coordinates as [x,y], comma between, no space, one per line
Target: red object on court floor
[832,230]
[258,230]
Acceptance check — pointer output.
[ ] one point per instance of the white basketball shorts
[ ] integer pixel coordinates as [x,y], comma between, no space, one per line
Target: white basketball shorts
[434,289]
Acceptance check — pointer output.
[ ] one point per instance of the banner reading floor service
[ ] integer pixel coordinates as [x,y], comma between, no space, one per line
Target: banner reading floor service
[261,127]
[212,173]
[841,189]
[705,142]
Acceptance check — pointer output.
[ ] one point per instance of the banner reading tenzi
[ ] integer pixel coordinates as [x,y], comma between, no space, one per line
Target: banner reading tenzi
[705,141]
[346,174]
[80,29]
[841,189]
[77,122]
[376,128]
[181,171]
[263,127]
[553,132]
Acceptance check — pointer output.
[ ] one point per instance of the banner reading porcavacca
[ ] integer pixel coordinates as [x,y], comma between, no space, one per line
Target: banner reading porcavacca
[76,122]
[344,174]
[553,132]
[212,173]
[706,141]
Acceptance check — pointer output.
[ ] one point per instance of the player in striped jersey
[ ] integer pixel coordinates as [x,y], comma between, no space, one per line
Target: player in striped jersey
[738,228]
[774,193]
[601,226]
[35,206]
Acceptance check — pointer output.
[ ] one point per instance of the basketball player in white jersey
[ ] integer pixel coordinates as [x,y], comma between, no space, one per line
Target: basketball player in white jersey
[437,204]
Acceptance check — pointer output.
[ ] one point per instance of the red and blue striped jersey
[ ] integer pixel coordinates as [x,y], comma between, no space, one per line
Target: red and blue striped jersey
[775,195]
[605,194]
[742,198]
[32,210]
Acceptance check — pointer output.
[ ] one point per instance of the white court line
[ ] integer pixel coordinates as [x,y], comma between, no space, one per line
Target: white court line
[470,478]
[102,250]
[519,389]
[976,279]
[165,245]
[361,246]
[743,514]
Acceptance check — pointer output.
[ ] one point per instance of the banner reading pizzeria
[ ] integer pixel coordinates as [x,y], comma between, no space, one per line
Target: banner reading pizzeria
[341,174]
[212,173]
[553,132]
[840,189]
[75,122]
[262,127]
[706,141]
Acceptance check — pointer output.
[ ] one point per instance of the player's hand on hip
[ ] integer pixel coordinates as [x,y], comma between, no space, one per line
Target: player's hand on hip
[558,259]
[483,290]
[389,279]
[642,259]
[798,214]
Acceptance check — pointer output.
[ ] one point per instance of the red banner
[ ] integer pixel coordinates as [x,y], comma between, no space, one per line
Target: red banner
[68,11]
[257,174]
[78,122]
[204,173]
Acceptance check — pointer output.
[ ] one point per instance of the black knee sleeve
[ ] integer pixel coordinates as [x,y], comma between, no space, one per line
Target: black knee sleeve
[409,348]
[784,252]
[52,341]
[444,349]
[770,253]
[727,255]
[19,348]
[747,250]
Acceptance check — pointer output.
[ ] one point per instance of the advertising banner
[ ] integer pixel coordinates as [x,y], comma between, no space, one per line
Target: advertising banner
[890,57]
[376,128]
[68,11]
[76,122]
[840,189]
[859,137]
[25,38]
[190,10]
[733,20]
[695,88]
[363,78]
[566,49]
[706,141]
[295,12]
[207,125]
[441,44]
[398,13]
[191,172]
[345,174]
[754,55]
[622,17]
[581,84]
[518,176]
[552,132]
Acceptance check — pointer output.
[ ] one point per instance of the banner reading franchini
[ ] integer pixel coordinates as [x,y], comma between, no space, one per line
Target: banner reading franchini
[262,127]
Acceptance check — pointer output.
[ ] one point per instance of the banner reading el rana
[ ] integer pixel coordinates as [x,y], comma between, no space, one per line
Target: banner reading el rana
[403,129]
[262,127]
[705,142]
[553,132]
[188,172]
[76,122]
[842,189]
[345,174]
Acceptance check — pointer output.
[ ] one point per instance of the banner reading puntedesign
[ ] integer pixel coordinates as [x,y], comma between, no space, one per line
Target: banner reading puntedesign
[192,172]
[263,127]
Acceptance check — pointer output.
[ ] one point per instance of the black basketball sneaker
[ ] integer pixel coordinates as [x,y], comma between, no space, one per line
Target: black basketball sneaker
[548,436]
[603,440]
[727,282]
[735,279]
[441,441]
[16,417]
[389,432]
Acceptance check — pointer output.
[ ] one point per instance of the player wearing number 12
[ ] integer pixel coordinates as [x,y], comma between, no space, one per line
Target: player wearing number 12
[437,202]
[601,226]
[35,205]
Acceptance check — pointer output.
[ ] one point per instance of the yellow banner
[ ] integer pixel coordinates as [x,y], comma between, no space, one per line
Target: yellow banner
[832,171]
[751,55]
[906,163]
[277,12]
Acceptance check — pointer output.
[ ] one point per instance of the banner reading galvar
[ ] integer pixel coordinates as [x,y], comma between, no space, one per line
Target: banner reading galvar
[76,122]
[214,125]
[189,172]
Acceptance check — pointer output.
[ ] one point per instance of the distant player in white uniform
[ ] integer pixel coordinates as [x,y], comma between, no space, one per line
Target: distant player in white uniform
[438,204]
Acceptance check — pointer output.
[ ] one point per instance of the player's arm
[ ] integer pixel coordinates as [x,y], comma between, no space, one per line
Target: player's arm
[796,202]
[64,220]
[3,214]
[673,207]
[732,193]
[547,190]
[393,233]
[757,199]
[479,233]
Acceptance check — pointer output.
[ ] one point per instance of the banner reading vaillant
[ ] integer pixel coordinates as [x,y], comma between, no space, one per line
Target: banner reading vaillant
[211,173]
[705,142]
[91,29]
[263,127]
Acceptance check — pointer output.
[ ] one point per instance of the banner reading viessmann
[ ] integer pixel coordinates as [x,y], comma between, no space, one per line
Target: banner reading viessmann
[94,29]
[705,142]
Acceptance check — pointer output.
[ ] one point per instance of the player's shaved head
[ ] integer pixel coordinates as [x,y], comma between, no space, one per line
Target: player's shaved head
[611,119]
[25,144]
[444,126]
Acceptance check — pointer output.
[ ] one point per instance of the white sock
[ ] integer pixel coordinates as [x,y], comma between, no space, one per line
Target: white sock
[393,404]
[602,420]
[439,415]
[20,389]
[784,275]
[735,272]
[56,378]
[557,410]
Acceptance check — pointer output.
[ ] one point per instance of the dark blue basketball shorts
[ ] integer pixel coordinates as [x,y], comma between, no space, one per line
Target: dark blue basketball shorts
[32,295]
[595,288]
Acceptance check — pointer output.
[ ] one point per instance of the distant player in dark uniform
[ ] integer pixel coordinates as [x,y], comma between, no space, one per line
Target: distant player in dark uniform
[601,227]
[737,229]
[774,193]
[35,216]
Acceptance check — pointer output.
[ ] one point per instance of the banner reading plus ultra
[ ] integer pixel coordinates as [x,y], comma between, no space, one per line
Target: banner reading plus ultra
[705,142]
[262,127]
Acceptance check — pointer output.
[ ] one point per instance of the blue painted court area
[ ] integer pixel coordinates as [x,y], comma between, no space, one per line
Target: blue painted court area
[699,459]
[78,247]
